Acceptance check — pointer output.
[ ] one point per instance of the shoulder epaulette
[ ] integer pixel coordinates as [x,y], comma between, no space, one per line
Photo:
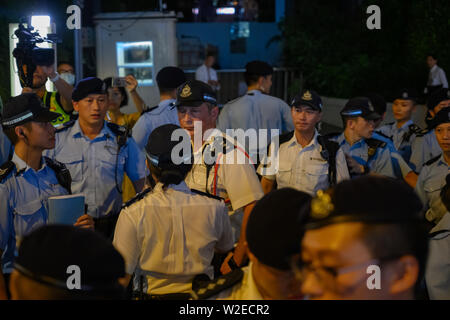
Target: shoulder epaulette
[390,123]
[446,233]
[116,129]
[285,137]
[412,129]
[6,169]
[66,125]
[206,194]
[234,100]
[331,135]
[62,173]
[149,109]
[137,197]
[433,160]
[375,143]
[422,132]
[383,135]
[221,283]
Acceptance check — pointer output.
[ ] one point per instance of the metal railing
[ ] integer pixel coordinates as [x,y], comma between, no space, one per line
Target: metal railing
[232,84]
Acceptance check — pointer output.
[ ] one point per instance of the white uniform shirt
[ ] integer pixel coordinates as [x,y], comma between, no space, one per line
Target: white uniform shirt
[170,236]
[303,168]
[437,77]
[244,290]
[204,74]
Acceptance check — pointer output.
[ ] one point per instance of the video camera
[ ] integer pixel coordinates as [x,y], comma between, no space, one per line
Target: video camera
[28,55]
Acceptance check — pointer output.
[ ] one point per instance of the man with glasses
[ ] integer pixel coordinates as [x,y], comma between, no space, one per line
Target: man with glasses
[97,154]
[366,239]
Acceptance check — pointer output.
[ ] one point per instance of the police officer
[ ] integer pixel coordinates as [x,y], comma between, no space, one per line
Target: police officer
[168,80]
[432,177]
[274,233]
[425,146]
[365,240]
[403,131]
[169,235]
[257,109]
[65,253]
[58,101]
[221,167]
[28,180]
[97,153]
[364,154]
[437,273]
[306,161]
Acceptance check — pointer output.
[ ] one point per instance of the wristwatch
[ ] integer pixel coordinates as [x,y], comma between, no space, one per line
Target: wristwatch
[56,78]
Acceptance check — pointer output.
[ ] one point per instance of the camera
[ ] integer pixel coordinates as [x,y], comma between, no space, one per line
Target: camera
[28,55]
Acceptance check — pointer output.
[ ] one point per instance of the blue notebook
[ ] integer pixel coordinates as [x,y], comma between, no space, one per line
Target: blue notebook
[65,209]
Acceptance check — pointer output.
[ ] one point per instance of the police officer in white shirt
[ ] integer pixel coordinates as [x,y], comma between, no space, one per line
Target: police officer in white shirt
[257,109]
[436,77]
[305,160]
[218,168]
[207,74]
[169,235]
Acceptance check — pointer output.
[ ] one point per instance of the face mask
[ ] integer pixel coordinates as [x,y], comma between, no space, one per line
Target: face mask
[68,77]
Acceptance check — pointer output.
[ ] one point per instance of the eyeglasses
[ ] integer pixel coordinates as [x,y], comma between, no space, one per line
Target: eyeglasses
[329,277]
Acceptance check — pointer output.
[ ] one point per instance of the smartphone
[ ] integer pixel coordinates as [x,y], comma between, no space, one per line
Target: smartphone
[119,82]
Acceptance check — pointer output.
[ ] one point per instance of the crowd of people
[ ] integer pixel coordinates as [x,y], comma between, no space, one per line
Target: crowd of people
[305,215]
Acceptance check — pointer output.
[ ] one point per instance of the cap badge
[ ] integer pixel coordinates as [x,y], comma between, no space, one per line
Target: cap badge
[405,95]
[307,96]
[186,92]
[321,205]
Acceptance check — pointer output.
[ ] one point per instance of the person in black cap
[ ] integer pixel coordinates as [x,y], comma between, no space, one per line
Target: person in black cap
[221,166]
[257,110]
[403,131]
[168,80]
[97,154]
[280,214]
[425,146]
[432,177]
[306,160]
[59,262]
[364,153]
[28,179]
[356,247]
[168,236]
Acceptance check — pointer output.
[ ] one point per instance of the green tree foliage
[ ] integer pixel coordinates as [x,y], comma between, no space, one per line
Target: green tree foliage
[329,41]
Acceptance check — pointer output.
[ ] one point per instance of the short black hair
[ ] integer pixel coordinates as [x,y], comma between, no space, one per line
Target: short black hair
[251,78]
[11,133]
[433,55]
[108,82]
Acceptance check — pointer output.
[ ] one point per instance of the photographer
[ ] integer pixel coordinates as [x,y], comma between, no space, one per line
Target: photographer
[60,101]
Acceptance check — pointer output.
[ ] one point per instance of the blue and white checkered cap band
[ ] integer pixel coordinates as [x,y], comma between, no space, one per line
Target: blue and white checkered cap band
[209,99]
[17,119]
[352,113]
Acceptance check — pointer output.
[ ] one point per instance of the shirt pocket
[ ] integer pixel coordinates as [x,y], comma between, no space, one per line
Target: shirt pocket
[73,162]
[433,186]
[317,176]
[284,174]
[28,216]
[111,165]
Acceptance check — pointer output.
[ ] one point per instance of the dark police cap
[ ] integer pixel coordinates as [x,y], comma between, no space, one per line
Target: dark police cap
[360,107]
[25,108]
[170,77]
[46,254]
[437,97]
[274,228]
[369,199]
[308,98]
[378,102]
[443,116]
[163,140]
[193,93]
[258,68]
[407,94]
[88,86]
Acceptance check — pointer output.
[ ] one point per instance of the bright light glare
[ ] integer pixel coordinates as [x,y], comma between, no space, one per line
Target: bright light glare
[226,10]
[41,24]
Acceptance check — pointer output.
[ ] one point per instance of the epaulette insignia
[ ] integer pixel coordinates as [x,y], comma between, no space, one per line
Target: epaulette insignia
[433,160]
[441,233]
[149,109]
[66,126]
[116,129]
[137,197]
[218,285]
